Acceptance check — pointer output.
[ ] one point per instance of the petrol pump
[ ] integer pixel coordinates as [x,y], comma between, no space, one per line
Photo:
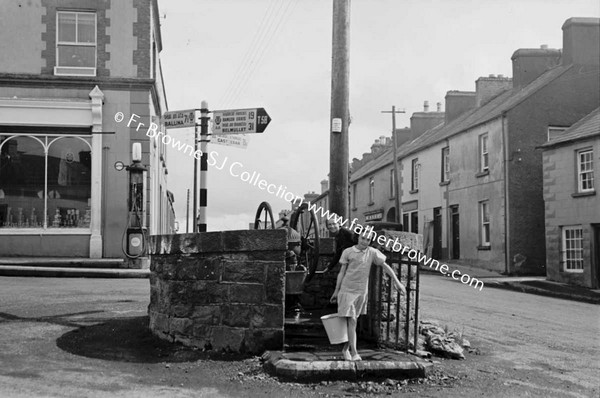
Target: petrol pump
[135,244]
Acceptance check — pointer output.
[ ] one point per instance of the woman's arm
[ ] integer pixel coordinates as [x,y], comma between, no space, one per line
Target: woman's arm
[388,270]
[338,283]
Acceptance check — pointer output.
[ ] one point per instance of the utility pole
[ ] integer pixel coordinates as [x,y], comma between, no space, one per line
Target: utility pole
[340,115]
[396,174]
[204,139]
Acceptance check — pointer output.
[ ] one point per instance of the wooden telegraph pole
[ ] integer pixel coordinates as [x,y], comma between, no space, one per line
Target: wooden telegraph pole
[396,174]
[340,115]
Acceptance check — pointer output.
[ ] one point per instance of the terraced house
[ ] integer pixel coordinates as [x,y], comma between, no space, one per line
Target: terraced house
[67,68]
[474,183]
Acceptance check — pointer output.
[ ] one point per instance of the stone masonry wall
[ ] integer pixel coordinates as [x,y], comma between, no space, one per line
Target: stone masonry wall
[219,290]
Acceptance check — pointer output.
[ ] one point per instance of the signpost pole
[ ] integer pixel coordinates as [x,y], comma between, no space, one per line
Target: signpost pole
[204,138]
[195,200]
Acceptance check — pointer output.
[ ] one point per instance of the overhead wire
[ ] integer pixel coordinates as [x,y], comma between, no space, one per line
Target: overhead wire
[251,51]
[272,26]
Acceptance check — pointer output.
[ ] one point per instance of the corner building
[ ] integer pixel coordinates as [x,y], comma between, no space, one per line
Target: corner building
[67,68]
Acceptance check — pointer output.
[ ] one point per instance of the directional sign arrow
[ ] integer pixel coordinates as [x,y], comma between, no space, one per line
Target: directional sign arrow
[240,121]
[262,120]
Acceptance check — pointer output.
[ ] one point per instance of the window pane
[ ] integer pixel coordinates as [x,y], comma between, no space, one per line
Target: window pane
[21,183]
[86,28]
[82,56]
[66,26]
[69,183]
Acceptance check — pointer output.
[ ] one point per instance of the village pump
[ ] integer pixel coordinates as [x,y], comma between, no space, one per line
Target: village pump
[135,244]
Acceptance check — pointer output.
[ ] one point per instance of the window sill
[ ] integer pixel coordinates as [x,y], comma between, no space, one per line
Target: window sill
[74,71]
[370,203]
[482,174]
[444,183]
[582,194]
[484,247]
[413,191]
[573,271]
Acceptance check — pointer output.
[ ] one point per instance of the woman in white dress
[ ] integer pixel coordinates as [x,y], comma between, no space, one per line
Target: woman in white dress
[351,287]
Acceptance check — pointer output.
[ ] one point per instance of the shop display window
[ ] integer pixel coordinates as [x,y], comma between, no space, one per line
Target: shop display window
[45,181]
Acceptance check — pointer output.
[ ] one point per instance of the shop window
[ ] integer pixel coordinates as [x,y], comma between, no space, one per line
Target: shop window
[585,171]
[45,182]
[572,248]
[410,221]
[75,43]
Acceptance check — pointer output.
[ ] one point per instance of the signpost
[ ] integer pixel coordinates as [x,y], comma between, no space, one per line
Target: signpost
[240,121]
[180,119]
[227,127]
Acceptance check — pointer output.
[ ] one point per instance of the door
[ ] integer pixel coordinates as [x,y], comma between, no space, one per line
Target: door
[437,233]
[455,232]
[596,257]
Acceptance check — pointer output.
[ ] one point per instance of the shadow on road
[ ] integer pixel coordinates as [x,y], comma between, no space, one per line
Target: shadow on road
[130,340]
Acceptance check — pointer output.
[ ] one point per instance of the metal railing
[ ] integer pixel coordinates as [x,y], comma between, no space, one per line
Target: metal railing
[391,314]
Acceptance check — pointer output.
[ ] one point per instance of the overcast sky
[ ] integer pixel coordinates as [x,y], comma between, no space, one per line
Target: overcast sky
[276,54]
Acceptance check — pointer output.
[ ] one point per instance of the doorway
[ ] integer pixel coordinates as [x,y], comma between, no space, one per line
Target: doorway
[596,256]
[437,233]
[455,225]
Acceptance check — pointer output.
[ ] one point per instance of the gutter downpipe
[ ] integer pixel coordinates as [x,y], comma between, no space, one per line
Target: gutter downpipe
[506,198]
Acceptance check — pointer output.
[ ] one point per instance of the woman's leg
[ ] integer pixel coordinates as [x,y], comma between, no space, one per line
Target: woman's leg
[352,335]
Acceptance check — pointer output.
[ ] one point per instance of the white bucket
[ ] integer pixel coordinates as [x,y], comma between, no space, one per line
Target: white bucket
[336,328]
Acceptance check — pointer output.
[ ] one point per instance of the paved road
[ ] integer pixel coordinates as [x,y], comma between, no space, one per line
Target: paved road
[541,345]
[85,337]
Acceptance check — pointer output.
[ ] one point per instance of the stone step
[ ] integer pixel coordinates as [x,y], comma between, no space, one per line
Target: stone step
[63,262]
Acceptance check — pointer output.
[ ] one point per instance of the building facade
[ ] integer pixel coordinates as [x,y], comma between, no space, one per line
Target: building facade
[473,185]
[571,170]
[69,69]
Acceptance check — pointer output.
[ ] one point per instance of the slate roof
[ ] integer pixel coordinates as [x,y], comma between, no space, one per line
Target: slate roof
[474,117]
[585,128]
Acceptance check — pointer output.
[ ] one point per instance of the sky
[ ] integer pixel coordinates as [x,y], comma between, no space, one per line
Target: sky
[276,54]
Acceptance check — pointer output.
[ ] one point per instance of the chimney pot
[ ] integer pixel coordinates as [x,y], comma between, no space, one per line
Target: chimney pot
[500,76]
[426,106]
[492,75]
[544,46]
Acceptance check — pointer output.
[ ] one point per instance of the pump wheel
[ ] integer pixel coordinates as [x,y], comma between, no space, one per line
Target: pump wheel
[264,215]
[305,222]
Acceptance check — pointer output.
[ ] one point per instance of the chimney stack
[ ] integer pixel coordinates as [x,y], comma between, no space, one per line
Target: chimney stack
[324,186]
[530,63]
[420,122]
[439,107]
[580,41]
[487,88]
[457,103]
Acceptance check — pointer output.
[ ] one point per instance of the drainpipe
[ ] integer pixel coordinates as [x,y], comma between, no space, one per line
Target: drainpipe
[506,198]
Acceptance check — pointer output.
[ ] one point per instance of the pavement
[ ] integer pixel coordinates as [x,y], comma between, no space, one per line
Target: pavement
[113,268]
[526,284]
[69,267]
